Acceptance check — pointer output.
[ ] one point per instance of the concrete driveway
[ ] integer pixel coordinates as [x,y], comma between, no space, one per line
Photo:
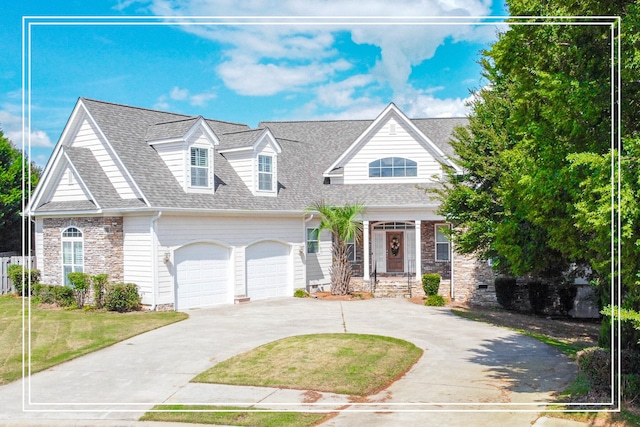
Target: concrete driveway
[470,374]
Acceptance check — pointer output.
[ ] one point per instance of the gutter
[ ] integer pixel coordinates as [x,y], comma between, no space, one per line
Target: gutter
[154,259]
[453,289]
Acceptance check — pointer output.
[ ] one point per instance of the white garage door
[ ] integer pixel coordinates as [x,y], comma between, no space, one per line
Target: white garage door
[202,275]
[268,270]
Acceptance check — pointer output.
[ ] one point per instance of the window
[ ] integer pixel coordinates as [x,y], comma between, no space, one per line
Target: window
[392,167]
[312,241]
[72,253]
[351,250]
[442,243]
[265,173]
[199,167]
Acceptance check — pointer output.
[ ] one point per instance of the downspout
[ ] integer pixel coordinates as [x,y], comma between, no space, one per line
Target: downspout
[154,259]
[453,291]
[304,247]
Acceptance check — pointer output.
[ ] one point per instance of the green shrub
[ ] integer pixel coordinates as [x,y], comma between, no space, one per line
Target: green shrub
[20,281]
[595,364]
[567,294]
[122,297]
[80,282]
[300,293]
[431,283]
[434,301]
[538,296]
[54,294]
[506,291]
[99,283]
[630,387]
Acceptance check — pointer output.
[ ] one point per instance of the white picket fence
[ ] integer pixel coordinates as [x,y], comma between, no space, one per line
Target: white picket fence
[5,284]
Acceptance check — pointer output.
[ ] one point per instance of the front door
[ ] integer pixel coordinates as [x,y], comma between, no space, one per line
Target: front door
[395,251]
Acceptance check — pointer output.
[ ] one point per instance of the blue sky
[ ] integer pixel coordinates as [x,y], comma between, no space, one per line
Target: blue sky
[298,70]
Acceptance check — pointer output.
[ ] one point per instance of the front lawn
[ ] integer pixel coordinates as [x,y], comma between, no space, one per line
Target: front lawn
[339,363]
[58,335]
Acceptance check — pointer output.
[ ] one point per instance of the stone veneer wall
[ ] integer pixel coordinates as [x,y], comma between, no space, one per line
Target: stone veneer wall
[103,252]
[474,281]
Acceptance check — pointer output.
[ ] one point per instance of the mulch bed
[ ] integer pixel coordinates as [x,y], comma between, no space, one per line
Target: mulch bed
[354,296]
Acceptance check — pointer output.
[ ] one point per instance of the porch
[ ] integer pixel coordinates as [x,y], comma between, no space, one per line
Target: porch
[387,267]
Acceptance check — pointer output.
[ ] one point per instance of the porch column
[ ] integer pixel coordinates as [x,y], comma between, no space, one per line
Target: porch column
[418,234]
[365,249]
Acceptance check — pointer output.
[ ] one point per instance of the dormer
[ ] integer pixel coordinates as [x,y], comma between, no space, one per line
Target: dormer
[187,148]
[253,155]
[391,150]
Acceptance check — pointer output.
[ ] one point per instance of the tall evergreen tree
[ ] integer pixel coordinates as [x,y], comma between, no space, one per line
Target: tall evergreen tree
[12,165]
[537,190]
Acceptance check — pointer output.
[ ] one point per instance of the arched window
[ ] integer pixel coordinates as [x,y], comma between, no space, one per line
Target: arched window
[391,167]
[72,253]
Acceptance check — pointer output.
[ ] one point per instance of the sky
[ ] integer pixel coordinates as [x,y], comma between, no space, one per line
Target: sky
[267,61]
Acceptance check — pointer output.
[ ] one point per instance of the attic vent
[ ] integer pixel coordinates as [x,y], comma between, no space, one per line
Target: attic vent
[392,128]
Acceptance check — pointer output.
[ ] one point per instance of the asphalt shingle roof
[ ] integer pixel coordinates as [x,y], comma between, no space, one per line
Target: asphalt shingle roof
[308,149]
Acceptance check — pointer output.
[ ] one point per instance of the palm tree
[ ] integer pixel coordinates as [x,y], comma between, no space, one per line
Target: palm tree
[345,223]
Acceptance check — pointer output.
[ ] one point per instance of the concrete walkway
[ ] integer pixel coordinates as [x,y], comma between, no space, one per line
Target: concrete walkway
[471,373]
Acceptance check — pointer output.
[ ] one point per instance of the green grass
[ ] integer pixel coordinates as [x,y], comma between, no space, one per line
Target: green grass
[61,335]
[340,363]
[203,414]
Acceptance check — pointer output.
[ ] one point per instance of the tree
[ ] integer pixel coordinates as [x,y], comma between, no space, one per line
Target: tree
[12,168]
[345,224]
[537,154]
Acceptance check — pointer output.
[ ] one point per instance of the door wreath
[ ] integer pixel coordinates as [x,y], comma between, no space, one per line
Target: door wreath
[395,246]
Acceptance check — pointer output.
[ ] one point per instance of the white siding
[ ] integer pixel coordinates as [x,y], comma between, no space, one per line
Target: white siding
[242,163]
[401,143]
[173,155]
[236,232]
[68,188]
[137,254]
[318,264]
[88,137]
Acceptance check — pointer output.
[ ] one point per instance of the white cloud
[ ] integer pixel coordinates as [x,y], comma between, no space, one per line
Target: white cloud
[11,125]
[178,94]
[256,50]
[248,77]
[418,103]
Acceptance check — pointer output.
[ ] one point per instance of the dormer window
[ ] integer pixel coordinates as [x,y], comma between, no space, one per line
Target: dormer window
[390,167]
[265,173]
[199,167]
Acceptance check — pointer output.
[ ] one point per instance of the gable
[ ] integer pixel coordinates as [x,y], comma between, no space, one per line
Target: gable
[69,188]
[390,138]
[87,135]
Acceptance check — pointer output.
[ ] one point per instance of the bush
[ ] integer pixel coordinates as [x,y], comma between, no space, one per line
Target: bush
[54,294]
[434,301]
[595,364]
[122,297]
[99,283]
[506,291]
[300,293]
[80,283]
[567,294]
[538,296]
[431,283]
[14,271]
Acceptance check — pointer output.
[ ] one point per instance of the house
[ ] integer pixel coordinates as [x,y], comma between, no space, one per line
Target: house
[199,212]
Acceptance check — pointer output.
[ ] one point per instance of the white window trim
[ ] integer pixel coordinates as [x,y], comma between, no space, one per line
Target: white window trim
[436,243]
[352,242]
[394,178]
[191,166]
[273,173]
[307,240]
[72,240]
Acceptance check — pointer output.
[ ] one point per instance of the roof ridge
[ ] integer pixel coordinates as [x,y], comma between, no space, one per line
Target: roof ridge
[133,107]
[315,121]
[244,131]
[176,121]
